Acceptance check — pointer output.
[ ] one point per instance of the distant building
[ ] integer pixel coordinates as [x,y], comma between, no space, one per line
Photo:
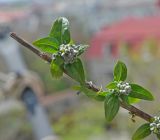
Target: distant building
[106,45]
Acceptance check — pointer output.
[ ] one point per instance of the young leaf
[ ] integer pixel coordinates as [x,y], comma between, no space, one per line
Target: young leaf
[47,44]
[142,132]
[56,70]
[88,92]
[112,85]
[60,30]
[125,99]
[66,36]
[56,67]
[111,106]
[76,87]
[71,42]
[101,96]
[108,96]
[140,93]
[75,71]
[120,71]
[133,100]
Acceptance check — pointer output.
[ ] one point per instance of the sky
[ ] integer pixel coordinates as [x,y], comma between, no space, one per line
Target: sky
[11,1]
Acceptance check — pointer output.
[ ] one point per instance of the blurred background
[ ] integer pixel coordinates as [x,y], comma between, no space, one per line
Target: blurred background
[33,106]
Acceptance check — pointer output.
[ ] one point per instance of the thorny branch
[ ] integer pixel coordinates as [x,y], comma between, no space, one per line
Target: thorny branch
[90,85]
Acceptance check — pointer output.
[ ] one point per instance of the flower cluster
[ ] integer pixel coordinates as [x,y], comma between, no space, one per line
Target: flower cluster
[124,88]
[68,52]
[155,125]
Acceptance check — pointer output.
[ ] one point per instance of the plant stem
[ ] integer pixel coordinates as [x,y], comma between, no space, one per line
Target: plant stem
[31,48]
[90,85]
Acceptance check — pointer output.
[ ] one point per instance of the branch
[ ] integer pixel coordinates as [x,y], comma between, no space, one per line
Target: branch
[31,48]
[90,85]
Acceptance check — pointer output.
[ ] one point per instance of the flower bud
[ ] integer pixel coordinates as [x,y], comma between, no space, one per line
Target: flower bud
[118,85]
[155,125]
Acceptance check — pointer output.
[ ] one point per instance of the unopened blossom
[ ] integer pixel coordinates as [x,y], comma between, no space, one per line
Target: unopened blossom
[124,88]
[155,125]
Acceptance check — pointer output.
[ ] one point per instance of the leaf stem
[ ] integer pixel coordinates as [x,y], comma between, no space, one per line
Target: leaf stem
[89,85]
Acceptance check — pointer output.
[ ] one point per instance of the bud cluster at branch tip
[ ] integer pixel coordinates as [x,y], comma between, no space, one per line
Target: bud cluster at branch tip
[155,125]
[124,88]
[68,52]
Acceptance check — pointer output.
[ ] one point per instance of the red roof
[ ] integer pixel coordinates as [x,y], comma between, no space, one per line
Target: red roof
[9,16]
[131,30]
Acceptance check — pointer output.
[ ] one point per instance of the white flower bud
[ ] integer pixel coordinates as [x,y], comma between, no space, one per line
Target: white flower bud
[155,117]
[158,125]
[127,84]
[155,125]
[124,91]
[121,86]
[118,85]
[152,128]
[68,53]
[75,51]
[151,124]
[120,91]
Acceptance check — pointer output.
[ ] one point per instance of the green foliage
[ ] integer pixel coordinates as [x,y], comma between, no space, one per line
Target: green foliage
[140,93]
[125,99]
[47,44]
[133,100]
[142,132]
[88,92]
[120,71]
[111,106]
[65,60]
[60,35]
[56,70]
[76,71]
[60,30]
[100,96]
[112,85]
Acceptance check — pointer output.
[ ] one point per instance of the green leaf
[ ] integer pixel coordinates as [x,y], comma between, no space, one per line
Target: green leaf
[133,100]
[112,85]
[101,96]
[76,87]
[140,93]
[120,71]
[56,70]
[142,132]
[60,30]
[111,106]
[56,67]
[108,96]
[47,44]
[71,42]
[66,36]
[125,99]
[88,92]
[75,71]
